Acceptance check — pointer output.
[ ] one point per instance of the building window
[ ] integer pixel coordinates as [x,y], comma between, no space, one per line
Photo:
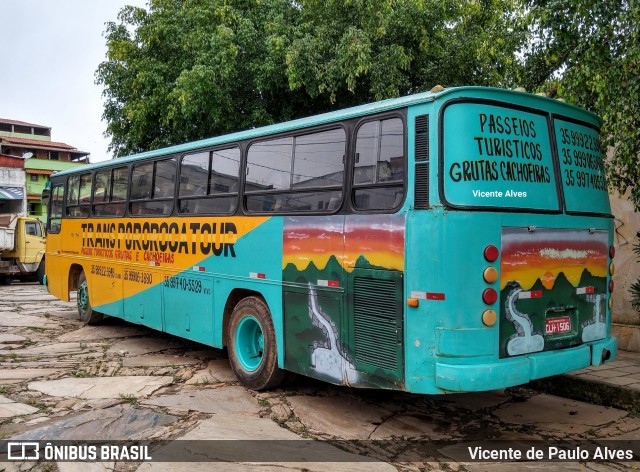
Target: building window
[53,155]
[33,177]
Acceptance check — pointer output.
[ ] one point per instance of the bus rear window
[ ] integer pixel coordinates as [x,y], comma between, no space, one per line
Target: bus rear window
[497,156]
[582,167]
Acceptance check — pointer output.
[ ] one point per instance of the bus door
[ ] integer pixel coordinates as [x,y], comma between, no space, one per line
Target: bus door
[188,305]
[142,292]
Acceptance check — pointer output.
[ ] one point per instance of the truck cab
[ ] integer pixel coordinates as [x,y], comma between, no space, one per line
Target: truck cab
[22,248]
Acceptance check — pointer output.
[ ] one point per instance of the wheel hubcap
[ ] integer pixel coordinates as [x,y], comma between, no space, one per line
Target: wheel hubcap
[83,296]
[249,343]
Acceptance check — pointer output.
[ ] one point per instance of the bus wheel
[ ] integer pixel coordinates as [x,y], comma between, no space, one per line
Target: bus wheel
[252,345]
[87,315]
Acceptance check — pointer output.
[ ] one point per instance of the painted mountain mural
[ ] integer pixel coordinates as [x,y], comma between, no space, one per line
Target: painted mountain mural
[553,289]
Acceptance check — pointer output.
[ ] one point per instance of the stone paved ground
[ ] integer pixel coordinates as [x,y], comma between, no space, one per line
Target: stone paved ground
[61,380]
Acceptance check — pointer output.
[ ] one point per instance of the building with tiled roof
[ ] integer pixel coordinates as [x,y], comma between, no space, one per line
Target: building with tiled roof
[29,147]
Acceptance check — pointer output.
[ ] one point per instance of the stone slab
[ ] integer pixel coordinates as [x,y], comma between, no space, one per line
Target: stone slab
[229,399]
[409,426]
[21,374]
[7,338]
[139,346]
[119,422]
[538,466]
[279,446]
[158,360]
[340,416]
[85,466]
[217,370]
[22,320]
[10,408]
[558,414]
[55,350]
[102,387]
[31,295]
[69,315]
[97,333]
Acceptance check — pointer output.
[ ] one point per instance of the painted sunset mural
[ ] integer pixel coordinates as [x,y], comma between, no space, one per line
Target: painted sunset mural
[545,253]
[377,238]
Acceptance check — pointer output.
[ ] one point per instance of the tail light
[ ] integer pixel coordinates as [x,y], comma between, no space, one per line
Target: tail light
[490,275]
[490,296]
[491,253]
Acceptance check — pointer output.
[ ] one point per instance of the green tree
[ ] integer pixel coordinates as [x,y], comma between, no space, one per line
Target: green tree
[187,69]
[588,52]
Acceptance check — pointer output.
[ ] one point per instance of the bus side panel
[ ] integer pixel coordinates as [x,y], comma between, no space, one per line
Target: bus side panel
[256,268]
[343,298]
[168,272]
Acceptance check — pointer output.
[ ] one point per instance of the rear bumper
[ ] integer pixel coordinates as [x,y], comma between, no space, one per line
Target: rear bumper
[520,370]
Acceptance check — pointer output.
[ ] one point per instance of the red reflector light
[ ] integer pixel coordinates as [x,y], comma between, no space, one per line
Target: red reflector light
[490,296]
[612,252]
[611,285]
[491,253]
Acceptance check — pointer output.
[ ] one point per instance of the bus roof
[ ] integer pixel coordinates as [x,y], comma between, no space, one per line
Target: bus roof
[345,114]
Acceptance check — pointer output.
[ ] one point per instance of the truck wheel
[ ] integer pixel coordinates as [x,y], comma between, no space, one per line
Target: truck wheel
[252,345]
[4,280]
[87,315]
[40,272]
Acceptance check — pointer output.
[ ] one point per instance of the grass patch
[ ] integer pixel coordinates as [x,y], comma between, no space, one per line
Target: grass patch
[129,398]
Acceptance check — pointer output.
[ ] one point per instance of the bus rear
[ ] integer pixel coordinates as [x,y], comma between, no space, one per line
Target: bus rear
[521,251]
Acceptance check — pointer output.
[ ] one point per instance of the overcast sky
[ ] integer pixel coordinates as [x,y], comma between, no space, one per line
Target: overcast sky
[49,51]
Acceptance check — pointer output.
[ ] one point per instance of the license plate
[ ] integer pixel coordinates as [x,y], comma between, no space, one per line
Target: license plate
[558,325]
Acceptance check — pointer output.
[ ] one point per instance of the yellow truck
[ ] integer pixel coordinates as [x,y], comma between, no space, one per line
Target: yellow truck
[22,245]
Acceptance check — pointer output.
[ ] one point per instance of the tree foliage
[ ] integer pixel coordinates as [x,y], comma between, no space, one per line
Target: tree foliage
[186,69]
[589,51]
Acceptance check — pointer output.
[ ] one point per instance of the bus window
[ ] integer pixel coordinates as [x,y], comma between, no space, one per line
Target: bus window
[315,185]
[142,181]
[582,168]
[79,196]
[102,186]
[378,177]
[152,188]
[194,174]
[120,184]
[319,159]
[110,192]
[213,178]
[55,209]
[497,157]
[269,165]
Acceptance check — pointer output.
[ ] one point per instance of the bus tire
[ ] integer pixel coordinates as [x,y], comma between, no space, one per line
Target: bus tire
[87,314]
[40,272]
[253,354]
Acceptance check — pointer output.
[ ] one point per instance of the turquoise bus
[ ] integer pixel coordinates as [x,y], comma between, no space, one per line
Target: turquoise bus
[449,241]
